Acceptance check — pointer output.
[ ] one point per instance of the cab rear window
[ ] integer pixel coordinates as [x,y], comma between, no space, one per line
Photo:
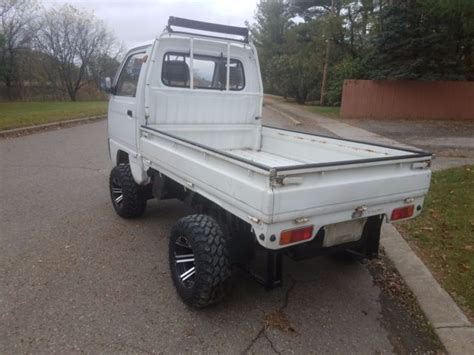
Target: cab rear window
[208,72]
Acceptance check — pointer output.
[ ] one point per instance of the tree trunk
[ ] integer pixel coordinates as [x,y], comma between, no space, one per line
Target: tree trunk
[325,76]
[71,93]
[326,63]
[8,85]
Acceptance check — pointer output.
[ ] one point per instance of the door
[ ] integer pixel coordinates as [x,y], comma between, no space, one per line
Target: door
[123,105]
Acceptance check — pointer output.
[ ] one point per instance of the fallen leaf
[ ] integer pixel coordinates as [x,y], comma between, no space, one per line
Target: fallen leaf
[278,319]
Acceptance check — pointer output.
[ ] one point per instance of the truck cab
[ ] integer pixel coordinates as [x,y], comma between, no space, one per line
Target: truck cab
[180,80]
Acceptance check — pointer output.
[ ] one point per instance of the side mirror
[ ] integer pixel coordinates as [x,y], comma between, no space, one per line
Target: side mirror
[106,85]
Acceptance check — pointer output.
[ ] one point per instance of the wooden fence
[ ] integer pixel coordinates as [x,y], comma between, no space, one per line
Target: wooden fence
[408,99]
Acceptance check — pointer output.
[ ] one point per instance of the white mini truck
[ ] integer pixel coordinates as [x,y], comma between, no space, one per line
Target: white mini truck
[184,122]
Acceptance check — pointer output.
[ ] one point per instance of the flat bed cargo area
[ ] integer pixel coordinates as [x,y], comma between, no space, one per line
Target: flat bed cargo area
[279,149]
[271,177]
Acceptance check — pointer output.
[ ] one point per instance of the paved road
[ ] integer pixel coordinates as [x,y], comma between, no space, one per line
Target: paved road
[76,277]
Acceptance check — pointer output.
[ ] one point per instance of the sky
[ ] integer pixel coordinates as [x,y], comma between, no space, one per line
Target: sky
[138,21]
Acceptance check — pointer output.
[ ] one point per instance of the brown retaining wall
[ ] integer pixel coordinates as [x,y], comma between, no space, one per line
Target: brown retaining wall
[408,99]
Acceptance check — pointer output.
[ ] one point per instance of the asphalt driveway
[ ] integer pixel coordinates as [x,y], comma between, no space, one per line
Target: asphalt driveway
[76,277]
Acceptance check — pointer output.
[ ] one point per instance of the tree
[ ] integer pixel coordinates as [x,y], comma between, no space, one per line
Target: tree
[345,25]
[74,39]
[106,64]
[17,26]
[3,67]
[300,68]
[268,33]
[311,9]
[425,40]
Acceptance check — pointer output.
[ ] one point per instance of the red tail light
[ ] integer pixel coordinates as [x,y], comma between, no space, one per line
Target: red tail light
[402,212]
[296,235]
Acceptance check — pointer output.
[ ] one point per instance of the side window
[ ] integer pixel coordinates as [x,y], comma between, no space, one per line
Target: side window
[208,72]
[128,79]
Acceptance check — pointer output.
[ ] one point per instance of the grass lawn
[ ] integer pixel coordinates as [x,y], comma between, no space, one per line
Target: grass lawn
[328,111]
[20,114]
[443,236]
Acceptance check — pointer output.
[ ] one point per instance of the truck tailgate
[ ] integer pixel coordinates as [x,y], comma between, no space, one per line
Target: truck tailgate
[340,174]
[326,191]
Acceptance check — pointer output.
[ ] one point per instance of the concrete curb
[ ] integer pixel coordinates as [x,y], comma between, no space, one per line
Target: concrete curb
[451,325]
[15,132]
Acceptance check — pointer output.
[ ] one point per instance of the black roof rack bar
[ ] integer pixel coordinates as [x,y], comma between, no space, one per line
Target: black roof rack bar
[209,36]
[207,26]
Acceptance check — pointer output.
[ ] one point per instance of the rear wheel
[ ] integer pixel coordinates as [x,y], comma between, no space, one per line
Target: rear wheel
[199,260]
[128,198]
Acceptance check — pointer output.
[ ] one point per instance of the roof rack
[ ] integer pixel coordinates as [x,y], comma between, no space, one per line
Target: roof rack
[207,26]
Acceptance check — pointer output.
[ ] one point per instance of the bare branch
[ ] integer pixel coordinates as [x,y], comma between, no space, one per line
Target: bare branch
[77,40]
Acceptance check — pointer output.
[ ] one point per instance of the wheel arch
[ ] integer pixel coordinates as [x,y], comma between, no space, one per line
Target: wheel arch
[122,157]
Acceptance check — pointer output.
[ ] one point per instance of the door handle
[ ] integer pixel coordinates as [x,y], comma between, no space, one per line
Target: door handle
[129,113]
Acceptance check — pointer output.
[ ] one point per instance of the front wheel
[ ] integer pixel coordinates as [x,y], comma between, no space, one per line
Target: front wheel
[127,196]
[199,260]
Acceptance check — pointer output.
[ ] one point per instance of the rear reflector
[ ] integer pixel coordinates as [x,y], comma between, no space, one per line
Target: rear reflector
[296,235]
[402,212]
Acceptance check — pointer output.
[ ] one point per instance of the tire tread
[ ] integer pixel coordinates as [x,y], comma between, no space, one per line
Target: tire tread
[134,202]
[211,258]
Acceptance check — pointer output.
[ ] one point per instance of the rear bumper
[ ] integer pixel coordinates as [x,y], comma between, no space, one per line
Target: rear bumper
[268,235]
[366,246]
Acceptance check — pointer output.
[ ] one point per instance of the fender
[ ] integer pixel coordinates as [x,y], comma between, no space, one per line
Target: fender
[138,170]
[135,160]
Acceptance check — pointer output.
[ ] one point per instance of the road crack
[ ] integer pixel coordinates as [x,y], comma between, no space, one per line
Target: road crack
[254,340]
[275,319]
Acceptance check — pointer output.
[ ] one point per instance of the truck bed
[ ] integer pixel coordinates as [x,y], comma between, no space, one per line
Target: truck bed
[271,177]
[274,148]
[261,157]
[284,150]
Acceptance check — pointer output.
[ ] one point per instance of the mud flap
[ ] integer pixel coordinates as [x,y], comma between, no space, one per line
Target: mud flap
[371,237]
[138,171]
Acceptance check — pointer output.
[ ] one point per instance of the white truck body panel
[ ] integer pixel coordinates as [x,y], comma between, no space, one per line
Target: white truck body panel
[323,194]
[212,142]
